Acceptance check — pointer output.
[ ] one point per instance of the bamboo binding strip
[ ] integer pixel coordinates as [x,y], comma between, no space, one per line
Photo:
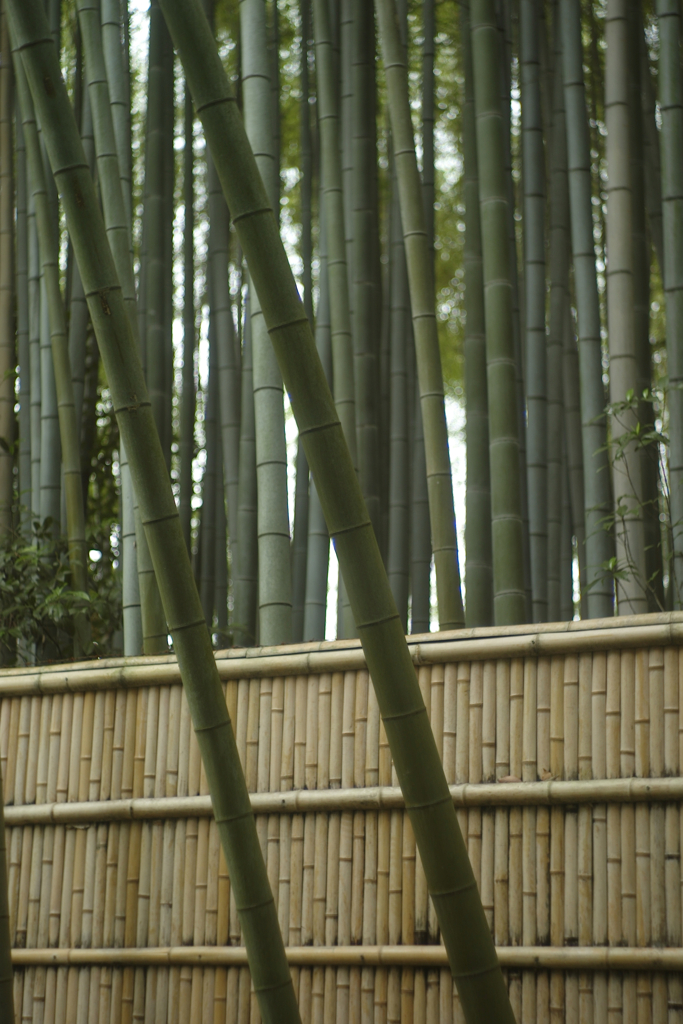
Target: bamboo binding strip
[368,798]
[542,958]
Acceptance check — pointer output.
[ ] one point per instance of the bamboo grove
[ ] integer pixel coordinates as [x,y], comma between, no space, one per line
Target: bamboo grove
[533,267]
[492,183]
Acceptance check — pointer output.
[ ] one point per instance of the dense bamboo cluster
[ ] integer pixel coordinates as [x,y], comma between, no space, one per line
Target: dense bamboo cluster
[231,346]
[568,318]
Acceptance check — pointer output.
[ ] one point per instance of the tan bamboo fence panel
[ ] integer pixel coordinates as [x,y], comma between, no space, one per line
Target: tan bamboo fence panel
[562,745]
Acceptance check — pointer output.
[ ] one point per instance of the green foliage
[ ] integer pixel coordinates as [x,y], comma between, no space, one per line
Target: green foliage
[37,606]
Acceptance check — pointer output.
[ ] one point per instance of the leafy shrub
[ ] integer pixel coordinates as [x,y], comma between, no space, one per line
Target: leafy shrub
[37,606]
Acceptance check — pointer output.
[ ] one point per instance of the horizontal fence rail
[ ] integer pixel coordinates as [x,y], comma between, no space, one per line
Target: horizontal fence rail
[562,745]
[368,798]
[540,958]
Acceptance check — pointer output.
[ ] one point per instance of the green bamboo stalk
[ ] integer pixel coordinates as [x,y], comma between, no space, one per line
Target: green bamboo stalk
[566,552]
[652,159]
[300,542]
[449,875]
[345,86]
[505,32]
[34,354]
[114,18]
[420,529]
[301,494]
[7,352]
[207,579]
[670,80]
[78,307]
[626,461]
[154,216]
[318,555]
[506,505]
[421,282]
[335,200]
[366,299]
[399,465]
[187,401]
[223,332]
[345,10]
[533,166]
[428,49]
[306,154]
[478,568]
[642,259]
[168,194]
[143,630]
[249,882]
[596,475]
[50,441]
[136,560]
[273,30]
[23,352]
[275,573]
[558,260]
[220,601]
[246,568]
[573,450]
[68,427]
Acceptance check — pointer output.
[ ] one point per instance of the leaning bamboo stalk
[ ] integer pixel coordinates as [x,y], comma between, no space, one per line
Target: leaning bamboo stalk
[153,487]
[421,286]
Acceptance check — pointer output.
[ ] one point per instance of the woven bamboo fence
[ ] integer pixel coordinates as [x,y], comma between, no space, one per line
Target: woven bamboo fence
[563,748]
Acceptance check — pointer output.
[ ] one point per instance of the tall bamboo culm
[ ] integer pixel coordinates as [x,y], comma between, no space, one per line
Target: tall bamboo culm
[236,826]
[187,400]
[478,566]
[274,559]
[558,265]
[509,593]
[422,299]
[335,211]
[302,492]
[318,554]
[596,471]
[7,354]
[671,104]
[117,219]
[625,453]
[447,868]
[533,162]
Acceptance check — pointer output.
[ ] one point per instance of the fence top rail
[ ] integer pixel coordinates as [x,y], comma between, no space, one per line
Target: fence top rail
[477,644]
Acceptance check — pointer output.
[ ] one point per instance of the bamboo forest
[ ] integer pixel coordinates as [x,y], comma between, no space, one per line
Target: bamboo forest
[341,480]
